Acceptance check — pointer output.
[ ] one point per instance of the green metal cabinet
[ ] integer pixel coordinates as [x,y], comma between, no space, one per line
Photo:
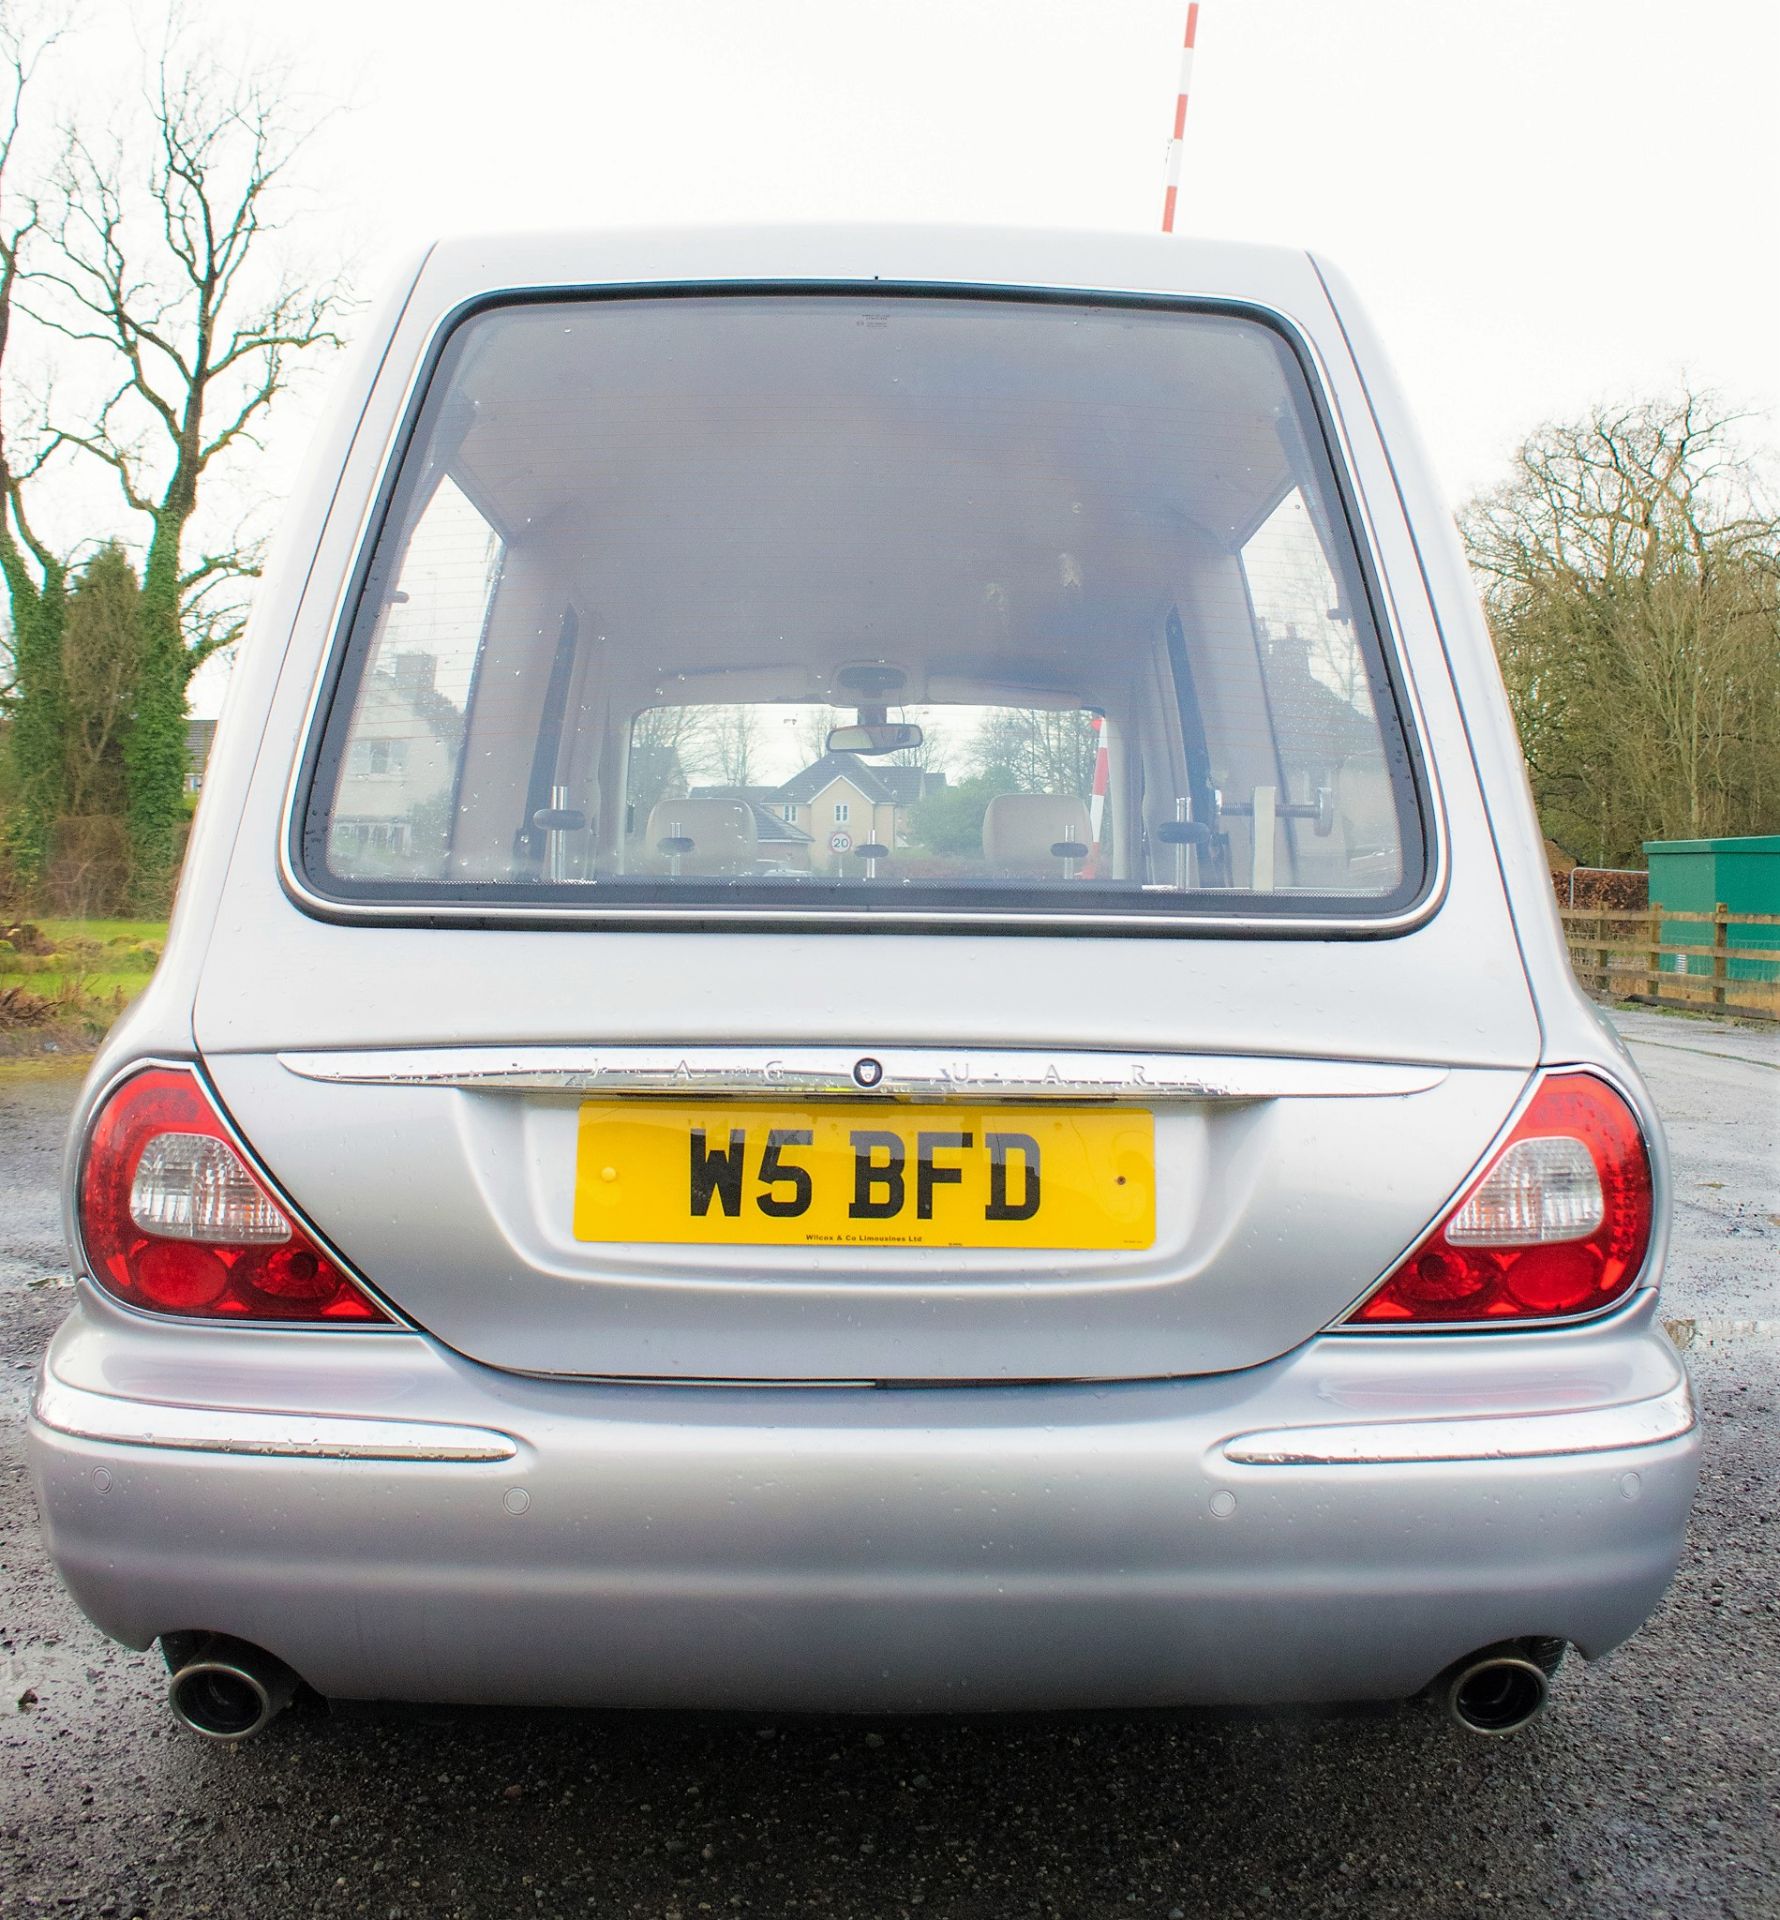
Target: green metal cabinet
[1695,876]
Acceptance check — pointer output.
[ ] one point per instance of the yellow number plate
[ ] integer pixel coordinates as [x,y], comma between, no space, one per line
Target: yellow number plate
[865,1176]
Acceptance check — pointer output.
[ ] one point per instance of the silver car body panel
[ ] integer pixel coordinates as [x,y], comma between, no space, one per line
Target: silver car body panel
[1573,1028]
[661,1537]
[874,1550]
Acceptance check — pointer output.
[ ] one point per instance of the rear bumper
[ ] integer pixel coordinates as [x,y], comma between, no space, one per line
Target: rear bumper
[1338,1525]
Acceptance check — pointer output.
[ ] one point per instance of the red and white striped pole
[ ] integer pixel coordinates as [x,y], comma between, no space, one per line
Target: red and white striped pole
[1097,799]
[1180,118]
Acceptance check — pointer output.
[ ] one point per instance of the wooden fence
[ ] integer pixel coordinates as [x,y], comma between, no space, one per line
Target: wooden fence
[1624,956]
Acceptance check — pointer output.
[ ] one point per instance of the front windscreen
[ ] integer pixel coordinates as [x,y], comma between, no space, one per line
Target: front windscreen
[816,603]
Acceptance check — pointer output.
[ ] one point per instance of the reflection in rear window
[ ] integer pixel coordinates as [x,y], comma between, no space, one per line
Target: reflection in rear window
[810,603]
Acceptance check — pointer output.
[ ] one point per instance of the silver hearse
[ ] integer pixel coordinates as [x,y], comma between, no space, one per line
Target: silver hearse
[866,1016]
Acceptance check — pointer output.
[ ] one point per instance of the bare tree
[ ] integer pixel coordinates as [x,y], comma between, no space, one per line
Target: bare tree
[931,755]
[809,728]
[162,264]
[732,745]
[1632,575]
[1036,749]
[662,744]
[35,576]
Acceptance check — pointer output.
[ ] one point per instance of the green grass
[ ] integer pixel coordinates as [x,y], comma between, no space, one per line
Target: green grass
[89,970]
[69,1065]
[102,931]
[85,983]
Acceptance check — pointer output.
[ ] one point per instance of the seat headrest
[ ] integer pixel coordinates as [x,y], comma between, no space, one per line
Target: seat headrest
[722,833]
[1020,829]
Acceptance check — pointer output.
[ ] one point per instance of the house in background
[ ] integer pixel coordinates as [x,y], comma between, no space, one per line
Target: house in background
[843,803]
[198,736]
[392,805]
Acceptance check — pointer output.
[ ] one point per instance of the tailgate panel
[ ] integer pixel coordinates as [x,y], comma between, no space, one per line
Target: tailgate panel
[458,1202]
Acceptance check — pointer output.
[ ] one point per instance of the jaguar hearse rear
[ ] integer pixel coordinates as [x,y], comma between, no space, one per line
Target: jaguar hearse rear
[865,1016]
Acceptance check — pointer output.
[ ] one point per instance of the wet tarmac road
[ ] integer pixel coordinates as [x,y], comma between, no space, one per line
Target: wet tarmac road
[1651,1789]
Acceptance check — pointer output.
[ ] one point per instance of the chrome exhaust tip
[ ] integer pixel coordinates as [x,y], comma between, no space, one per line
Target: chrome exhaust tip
[227,1690]
[1496,1694]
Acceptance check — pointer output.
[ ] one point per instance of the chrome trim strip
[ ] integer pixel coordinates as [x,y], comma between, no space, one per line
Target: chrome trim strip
[1528,1436]
[416,913]
[297,1436]
[1271,927]
[906,1073]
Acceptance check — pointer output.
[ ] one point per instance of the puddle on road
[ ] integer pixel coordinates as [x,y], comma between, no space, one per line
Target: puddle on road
[1694,1336]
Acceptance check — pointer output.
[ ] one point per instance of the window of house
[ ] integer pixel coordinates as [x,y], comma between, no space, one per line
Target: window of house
[409,710]
[841,810]
[378,759]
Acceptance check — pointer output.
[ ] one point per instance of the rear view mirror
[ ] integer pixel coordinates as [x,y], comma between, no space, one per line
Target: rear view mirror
[884,737]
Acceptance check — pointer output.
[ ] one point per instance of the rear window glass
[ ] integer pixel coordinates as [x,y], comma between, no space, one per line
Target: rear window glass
[811,603]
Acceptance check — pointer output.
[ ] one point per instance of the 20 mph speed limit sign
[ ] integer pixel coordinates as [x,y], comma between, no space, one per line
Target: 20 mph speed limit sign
[839,842]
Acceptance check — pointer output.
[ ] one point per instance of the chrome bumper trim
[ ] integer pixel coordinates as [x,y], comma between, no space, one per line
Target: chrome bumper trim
[308,1436]
[894,1072]
[1531,1436]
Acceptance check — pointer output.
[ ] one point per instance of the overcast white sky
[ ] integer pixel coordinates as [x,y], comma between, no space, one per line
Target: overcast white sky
[1542,201]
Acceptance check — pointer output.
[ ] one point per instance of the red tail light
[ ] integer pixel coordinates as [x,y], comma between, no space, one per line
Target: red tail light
[174,1221]
[1556,1225]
